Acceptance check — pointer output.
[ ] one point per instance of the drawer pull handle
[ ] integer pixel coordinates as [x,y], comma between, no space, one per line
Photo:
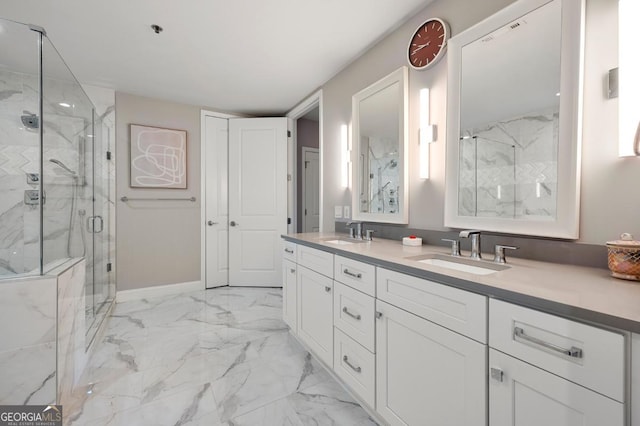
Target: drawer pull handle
[354,316]
[288,251]
[378,315]
[293,271]
[353,367]
[351,274]
[327,288]
[497,374]
[572,352]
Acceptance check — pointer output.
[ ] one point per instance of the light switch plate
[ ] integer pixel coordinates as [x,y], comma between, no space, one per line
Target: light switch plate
[347,212]
[338,212]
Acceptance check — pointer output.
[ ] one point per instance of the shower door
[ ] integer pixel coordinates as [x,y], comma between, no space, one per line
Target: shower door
[99,220]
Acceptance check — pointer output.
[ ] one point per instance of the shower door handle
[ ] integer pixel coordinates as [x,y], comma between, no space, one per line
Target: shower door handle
[91,224]
[101,224]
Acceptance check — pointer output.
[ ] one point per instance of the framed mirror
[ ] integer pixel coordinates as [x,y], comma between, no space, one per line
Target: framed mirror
[379,150]
[514,121]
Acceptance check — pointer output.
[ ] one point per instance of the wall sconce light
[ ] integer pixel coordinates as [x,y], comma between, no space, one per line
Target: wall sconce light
[629,84]
[346,154]
[427,133]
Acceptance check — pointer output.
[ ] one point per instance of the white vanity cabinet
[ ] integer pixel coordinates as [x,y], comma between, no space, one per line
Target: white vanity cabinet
[547,370]
[426,373]
[315,301]
[417,352]
[289,294]
[289,286]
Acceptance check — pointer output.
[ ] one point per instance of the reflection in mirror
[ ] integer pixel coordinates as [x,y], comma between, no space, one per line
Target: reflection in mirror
[514,121]
[379,144]
[379,173]
[509,111]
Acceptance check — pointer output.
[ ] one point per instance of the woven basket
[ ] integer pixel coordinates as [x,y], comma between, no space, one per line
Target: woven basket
[624,262]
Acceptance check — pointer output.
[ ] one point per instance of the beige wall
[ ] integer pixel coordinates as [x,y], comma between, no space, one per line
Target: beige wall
[610,201]
[158,242]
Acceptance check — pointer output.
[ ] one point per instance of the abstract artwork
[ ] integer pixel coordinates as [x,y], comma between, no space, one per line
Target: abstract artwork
[158,157]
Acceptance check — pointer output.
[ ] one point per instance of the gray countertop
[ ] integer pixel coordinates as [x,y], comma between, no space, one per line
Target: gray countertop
[586,294]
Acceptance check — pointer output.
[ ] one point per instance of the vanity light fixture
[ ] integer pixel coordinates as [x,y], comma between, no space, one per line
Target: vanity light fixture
[629,84]
[427,133]
[344,138]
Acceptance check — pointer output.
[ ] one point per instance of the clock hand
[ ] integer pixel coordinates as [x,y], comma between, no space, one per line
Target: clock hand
[420,47]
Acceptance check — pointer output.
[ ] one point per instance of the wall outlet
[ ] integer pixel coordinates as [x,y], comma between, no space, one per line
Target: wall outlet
[347,212]
[338,212]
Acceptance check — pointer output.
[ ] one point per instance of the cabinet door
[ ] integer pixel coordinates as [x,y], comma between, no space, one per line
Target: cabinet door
[315,313]
[523,395]
[427,374]
[289,295]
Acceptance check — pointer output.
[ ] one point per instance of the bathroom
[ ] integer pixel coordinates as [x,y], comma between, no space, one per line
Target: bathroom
[156,248]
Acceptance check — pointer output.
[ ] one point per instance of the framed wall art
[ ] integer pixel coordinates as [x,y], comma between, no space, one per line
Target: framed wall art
[158,157]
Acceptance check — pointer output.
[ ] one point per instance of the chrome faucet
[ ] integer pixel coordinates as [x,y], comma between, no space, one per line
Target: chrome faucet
[475,242]
[355,229]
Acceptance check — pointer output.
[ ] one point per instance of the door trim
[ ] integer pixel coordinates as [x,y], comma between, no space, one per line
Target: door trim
[313,101]
[203,188]
[306,149]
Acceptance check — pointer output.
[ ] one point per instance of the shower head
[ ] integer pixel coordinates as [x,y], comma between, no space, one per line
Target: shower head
[63,166]
[30,121]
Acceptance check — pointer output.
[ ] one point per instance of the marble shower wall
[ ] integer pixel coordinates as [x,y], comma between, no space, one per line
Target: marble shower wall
[19,154]
[383,181]
[509,168]
[66,133]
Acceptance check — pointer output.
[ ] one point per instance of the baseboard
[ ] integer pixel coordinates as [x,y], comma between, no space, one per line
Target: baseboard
[156,291]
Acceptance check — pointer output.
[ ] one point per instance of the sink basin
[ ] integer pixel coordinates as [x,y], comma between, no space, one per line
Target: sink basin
[477,267]
[343,241]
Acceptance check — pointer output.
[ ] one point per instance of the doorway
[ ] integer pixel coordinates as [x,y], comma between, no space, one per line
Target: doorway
[305,194]
[244,208]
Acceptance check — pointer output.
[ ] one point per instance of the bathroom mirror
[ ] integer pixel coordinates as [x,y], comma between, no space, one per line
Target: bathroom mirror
[514,121]
[379,153]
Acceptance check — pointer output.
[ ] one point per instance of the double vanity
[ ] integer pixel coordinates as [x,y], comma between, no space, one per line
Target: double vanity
[420,337]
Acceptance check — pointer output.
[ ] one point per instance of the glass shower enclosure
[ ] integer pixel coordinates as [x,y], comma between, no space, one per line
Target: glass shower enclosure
[54,184]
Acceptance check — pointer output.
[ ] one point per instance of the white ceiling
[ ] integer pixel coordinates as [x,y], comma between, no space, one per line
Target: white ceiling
[248,56]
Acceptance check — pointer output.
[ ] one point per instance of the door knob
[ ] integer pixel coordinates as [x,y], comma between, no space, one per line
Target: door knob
[234,223]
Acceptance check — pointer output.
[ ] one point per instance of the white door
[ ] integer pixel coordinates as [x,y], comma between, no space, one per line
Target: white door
[315,312]
[523,395]
[311,190]
[427,374]
[289,294]
[257,200]
[216,186]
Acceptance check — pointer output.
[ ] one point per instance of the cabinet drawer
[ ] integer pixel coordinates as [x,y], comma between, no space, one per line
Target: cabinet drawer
[358,275]
[353,313]
[356,366]
[457,310]
[289,250]
[316,260]
[521,394]
[581,353]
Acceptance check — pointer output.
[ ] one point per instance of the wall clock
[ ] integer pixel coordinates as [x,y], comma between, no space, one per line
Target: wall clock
[428,44]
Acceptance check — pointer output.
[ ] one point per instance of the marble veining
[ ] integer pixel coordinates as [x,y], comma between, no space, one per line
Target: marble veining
[212,357]
[509,168]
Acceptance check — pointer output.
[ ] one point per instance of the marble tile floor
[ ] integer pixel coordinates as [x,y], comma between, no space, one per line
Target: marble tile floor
[216,357]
